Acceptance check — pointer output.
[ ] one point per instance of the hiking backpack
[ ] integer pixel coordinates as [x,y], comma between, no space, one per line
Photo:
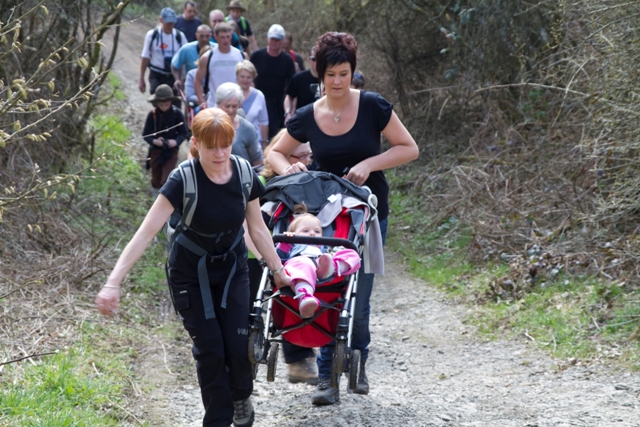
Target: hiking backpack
[182,220]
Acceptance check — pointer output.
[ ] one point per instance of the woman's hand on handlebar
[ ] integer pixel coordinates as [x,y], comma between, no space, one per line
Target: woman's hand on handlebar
[358,174]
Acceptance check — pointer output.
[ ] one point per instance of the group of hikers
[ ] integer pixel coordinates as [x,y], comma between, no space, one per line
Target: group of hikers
[255,112]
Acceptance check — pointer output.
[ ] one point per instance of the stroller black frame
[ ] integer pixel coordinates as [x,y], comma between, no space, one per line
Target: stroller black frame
[265,337]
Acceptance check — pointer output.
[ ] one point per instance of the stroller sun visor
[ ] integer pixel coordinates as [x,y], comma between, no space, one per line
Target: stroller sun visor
[312,187]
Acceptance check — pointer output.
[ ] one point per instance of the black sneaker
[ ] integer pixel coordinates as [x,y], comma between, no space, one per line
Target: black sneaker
[243,413]
[324,394]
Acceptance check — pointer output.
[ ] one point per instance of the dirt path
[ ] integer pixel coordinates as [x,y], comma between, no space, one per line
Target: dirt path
[426,367]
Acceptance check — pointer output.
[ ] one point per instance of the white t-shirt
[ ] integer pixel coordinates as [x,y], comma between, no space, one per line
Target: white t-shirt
[222,69]
[163,46]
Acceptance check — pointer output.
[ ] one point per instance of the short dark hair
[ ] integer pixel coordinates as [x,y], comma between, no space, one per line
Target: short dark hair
[334,48]
[189,3]
[222,27]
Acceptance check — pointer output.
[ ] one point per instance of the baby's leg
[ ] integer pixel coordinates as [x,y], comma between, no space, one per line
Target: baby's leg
[347,261]
[303,278]
[301,269]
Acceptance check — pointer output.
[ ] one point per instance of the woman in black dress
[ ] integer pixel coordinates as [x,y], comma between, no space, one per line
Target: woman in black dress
[344,128]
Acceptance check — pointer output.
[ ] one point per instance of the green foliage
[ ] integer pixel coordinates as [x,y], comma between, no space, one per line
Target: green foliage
[64,389]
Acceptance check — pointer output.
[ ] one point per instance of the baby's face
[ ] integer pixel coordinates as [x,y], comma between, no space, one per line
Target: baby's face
[309,227]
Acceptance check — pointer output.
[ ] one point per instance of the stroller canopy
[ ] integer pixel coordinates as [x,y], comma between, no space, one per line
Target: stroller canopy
[314,188]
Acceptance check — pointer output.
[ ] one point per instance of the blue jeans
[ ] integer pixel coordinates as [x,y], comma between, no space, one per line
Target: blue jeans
[360,335]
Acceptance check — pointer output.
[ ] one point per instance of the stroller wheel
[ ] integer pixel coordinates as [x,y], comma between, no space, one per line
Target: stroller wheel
[337,363]
[256,346]
[272,361]
[354,367]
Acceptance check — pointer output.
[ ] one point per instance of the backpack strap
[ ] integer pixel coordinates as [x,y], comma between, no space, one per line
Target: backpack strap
[190,191]
[205,88]
[246,177]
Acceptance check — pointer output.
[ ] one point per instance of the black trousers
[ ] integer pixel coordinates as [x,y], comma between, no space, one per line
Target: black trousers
[275,110]
[292,353]
[220,344]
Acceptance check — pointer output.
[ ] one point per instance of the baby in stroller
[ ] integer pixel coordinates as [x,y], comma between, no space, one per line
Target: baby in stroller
[305,264]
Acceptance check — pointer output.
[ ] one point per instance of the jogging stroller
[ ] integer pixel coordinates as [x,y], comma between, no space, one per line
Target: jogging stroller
[346,213]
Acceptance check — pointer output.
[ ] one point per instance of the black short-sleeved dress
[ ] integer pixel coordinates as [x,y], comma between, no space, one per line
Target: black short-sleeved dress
[220,209]
[336,153]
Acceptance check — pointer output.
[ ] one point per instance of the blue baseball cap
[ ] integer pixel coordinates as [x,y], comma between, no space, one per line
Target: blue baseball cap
[168,15]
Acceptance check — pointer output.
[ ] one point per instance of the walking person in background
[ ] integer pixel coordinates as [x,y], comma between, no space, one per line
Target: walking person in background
[236,10]
[245,142]
[160,45]
[188,22]
[357,81]
[302,88]
[254,104]
[344,129]
[298,62]
[187,57]
[214,310]
[164,130]
[189,90]
[219,65]
[217,16]
[275,70]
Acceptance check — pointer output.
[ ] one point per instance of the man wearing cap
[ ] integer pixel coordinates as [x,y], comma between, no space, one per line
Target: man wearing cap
[188,22]
[236,10]
[219,64]
[160,45]
[275,70]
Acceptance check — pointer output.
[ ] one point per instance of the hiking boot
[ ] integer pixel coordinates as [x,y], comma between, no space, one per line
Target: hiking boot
[243,413]
[304,371]
[326,268]
[308,303]
[363,383]
[324,394]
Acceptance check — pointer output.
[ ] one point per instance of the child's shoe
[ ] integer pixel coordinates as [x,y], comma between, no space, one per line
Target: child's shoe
[325,268]
[308,303]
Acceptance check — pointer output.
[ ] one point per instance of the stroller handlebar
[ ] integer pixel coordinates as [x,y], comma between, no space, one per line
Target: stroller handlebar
[308,240]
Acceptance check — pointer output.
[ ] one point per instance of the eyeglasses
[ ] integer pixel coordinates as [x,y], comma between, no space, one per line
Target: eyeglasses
[218,20]
[306,155]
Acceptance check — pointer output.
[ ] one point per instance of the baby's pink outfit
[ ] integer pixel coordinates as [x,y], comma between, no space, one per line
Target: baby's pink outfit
[302,271]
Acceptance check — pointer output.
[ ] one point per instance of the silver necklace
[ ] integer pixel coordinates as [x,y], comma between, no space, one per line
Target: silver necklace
[336,117]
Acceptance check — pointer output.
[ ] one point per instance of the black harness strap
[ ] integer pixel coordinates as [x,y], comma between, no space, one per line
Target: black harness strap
[203,276]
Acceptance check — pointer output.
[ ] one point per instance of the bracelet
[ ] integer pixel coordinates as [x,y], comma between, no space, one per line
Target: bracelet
[111,286]
[287,168]
[276,271]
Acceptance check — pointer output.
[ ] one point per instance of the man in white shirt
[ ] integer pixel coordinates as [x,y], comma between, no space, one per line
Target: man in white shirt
[219,64]
[160,44]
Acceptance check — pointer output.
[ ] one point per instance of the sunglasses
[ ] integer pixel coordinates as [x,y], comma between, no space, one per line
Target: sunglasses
[313,58]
